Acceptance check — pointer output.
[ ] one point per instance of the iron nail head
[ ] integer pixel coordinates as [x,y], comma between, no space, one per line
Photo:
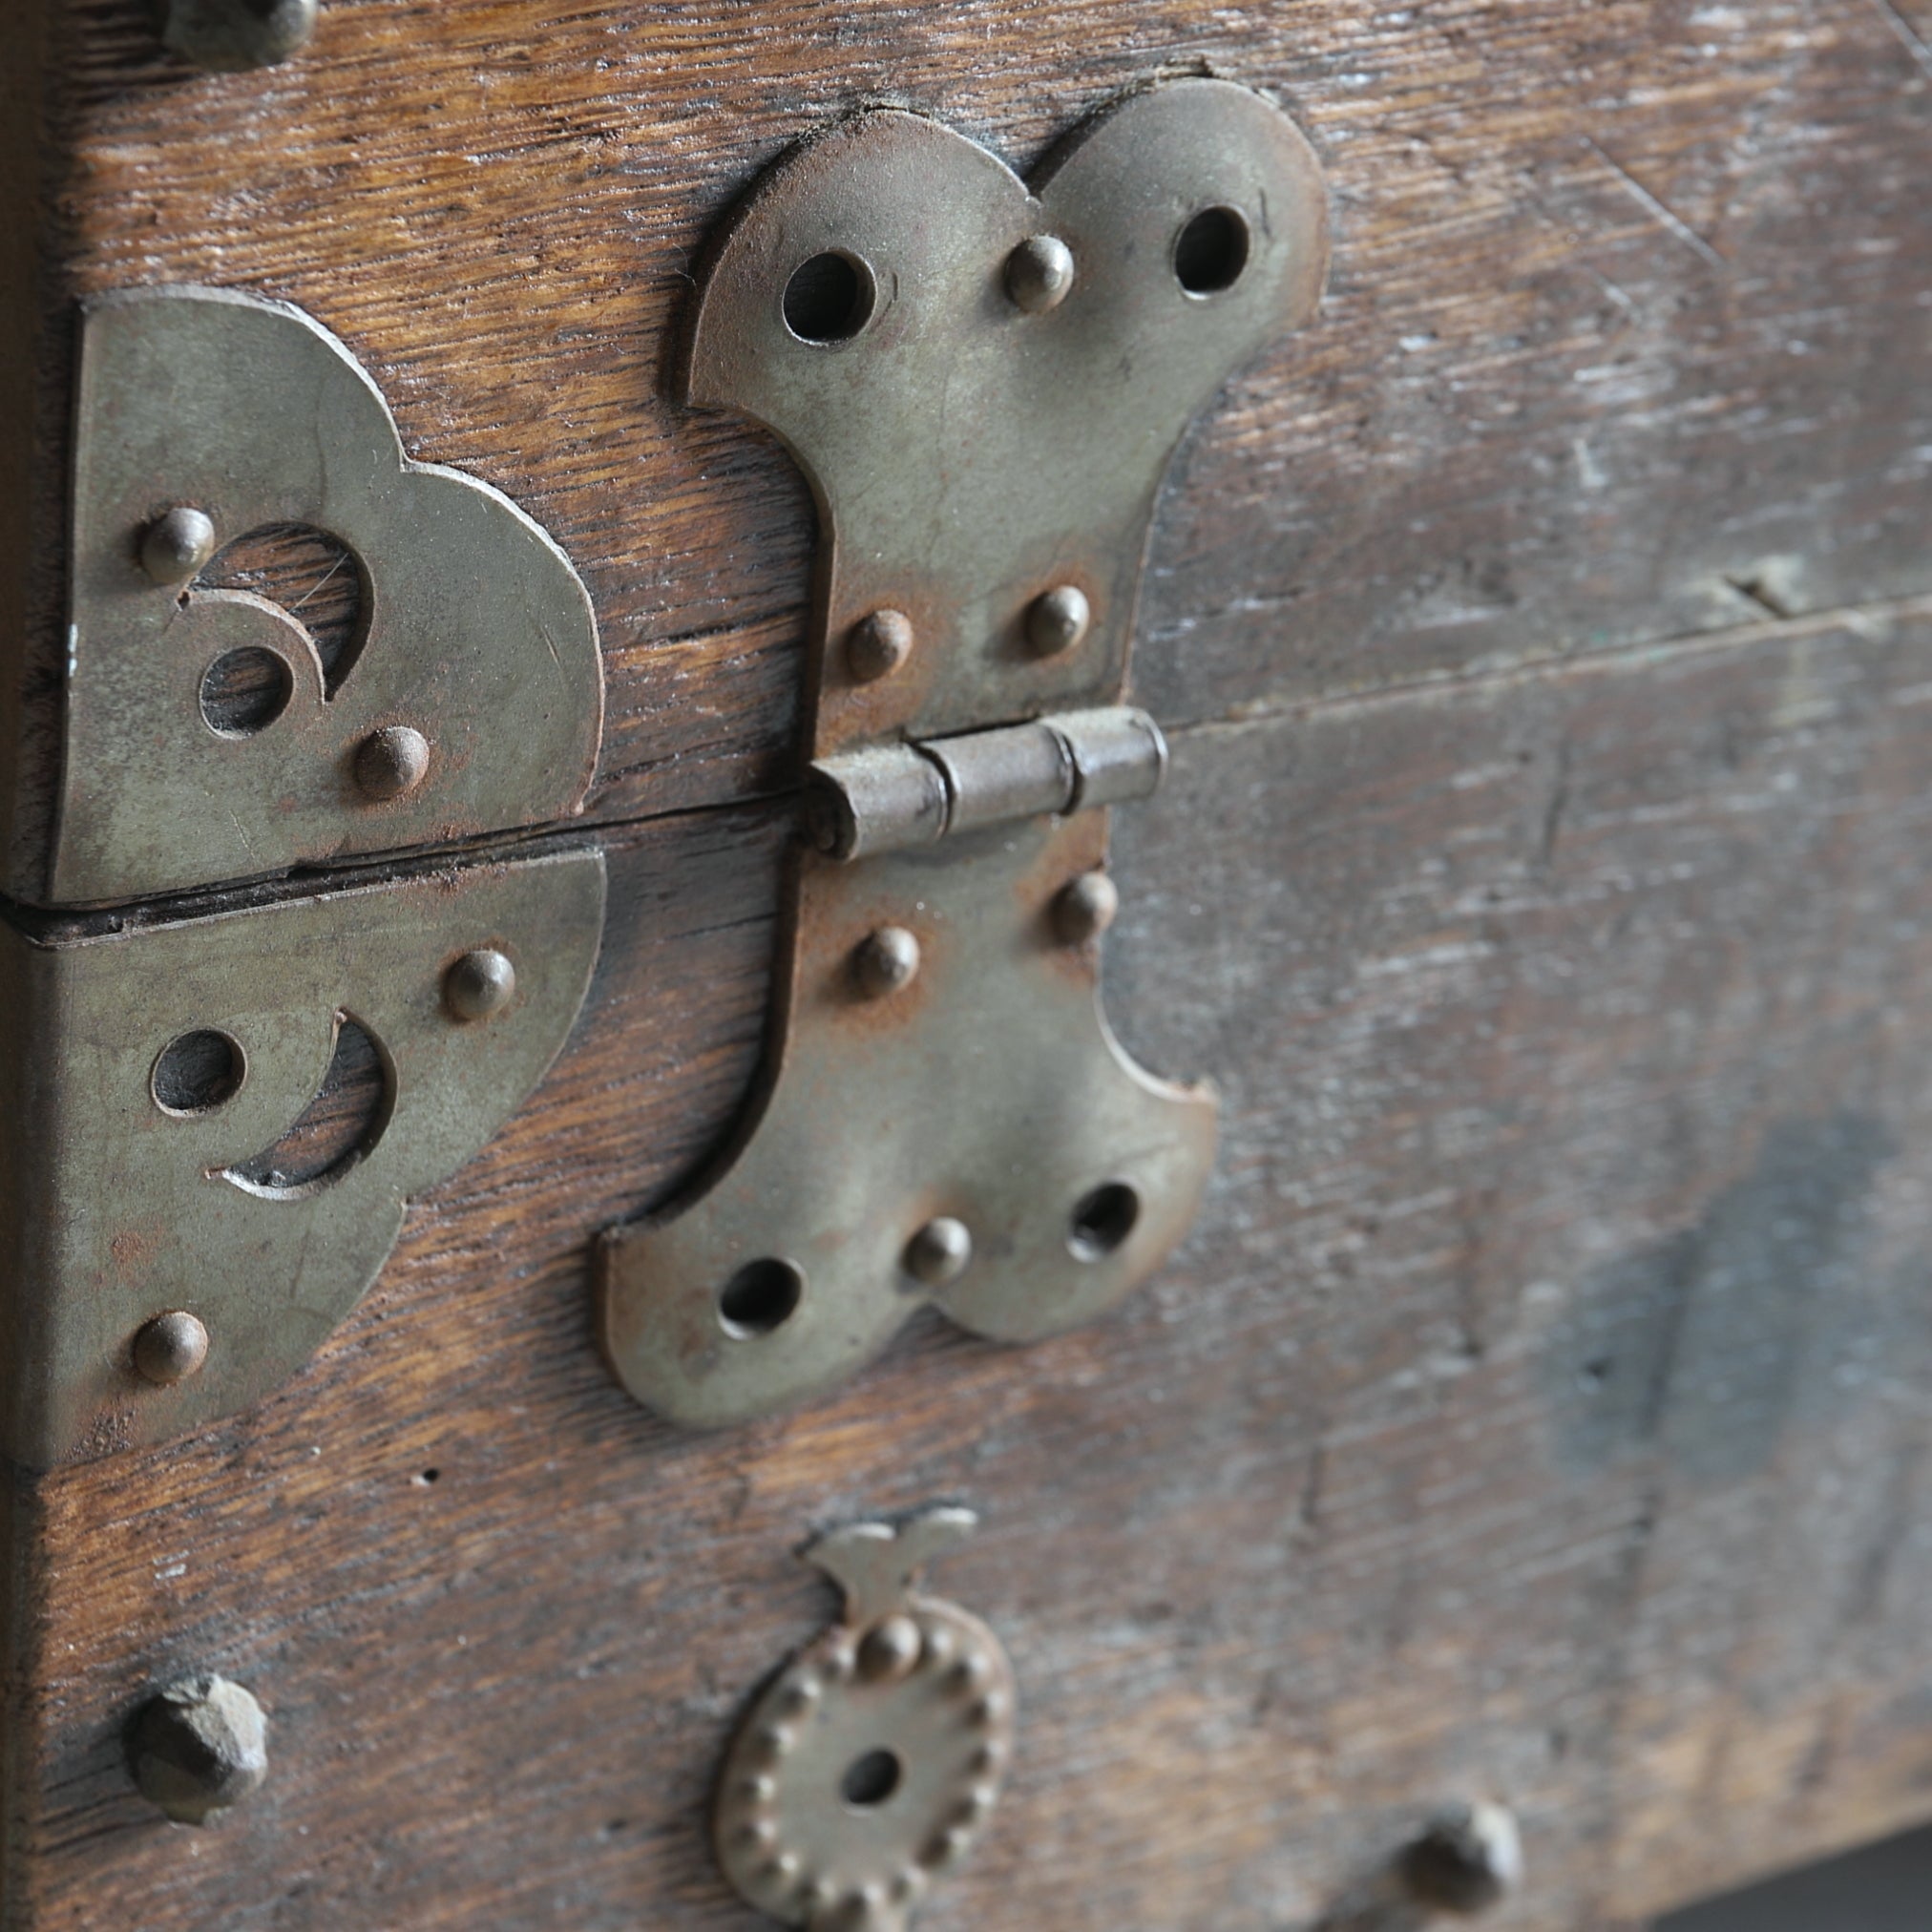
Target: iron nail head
[233,36]
[1468,1861]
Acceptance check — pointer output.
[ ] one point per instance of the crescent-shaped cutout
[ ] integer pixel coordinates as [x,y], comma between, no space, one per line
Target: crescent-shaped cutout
[336,1130]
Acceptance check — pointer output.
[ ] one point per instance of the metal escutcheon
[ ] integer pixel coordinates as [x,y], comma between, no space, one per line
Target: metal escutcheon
[870,1765]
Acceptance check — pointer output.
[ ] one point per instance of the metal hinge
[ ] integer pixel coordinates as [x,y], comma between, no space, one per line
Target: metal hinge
[220,1116]
[985,382]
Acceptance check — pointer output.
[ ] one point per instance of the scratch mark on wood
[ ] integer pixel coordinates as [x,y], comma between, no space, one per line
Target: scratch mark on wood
[1915,44]
[1670,219]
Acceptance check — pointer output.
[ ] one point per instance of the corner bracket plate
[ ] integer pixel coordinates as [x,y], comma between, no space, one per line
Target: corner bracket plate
[470,700]
[984,382]
[873,1761]
[172,1259]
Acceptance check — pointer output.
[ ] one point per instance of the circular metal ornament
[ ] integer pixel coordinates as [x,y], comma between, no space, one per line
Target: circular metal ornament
[869,1765]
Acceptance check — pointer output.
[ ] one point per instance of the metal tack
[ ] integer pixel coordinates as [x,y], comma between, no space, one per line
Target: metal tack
[171,1348]
[479,985]
[887,961]
[391,762]
[177,546]
[1039,274]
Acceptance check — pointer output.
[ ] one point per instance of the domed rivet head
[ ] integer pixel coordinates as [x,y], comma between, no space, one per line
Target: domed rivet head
[170,1349]
[1084,908]
[946,1848]
[974,1671]
[940,1251]
[878,645]
[1469,1860]
[233,36]
[391,763]
[890,1648]
[479,985]
[177,546]
[198,1748]
[802,1694]
[1058,619]
[987,1712]
[886,961]
[1040,273]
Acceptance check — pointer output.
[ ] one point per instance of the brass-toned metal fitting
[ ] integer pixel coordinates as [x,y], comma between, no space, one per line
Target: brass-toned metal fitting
[940,1251]
[391,762]
[887,961]
[878,645]
[177,545]
[1058,619]
[479,985]
[1039,274]
[171,1348]
[891,1648]
[1085,907]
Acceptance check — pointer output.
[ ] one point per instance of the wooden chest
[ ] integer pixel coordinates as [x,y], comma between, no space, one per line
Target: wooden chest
[1535,1414]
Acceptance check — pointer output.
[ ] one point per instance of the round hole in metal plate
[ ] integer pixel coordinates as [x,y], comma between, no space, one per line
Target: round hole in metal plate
[246,691]
[197,1072]
[1103,1221]
[830,298]
[1210,252]
[870,1779]
[761,1297]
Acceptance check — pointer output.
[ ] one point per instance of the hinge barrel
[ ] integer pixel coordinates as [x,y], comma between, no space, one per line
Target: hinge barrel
[891,797]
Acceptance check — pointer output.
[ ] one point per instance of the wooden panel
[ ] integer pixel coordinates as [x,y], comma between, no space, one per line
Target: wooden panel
[1626,312]
[1540,1409]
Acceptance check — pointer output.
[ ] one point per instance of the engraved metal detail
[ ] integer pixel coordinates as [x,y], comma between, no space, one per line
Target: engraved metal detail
[870,1765]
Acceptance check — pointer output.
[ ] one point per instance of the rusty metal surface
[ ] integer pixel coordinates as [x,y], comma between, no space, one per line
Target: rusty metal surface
[479,654]
[873,1761]
[984,384]
[127,1200]
[986,1088]
[971,454]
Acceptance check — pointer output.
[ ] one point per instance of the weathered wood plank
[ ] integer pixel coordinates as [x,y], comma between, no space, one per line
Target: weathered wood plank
[1540,1409]
[1626,313]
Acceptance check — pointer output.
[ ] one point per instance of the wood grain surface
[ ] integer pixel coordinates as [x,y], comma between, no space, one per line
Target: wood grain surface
[1541,1407]
[1539,1410]
[1627,337]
